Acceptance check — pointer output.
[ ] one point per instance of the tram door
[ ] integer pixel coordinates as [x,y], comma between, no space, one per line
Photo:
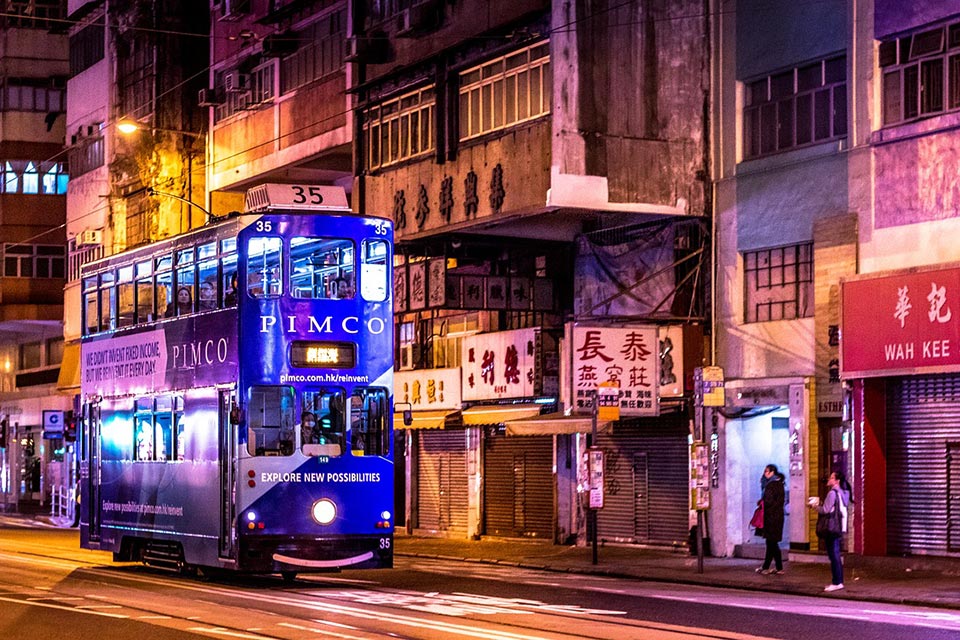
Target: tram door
[93,504]
[228,468]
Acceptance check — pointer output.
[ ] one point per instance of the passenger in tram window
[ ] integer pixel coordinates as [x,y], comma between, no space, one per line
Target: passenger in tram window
[184,301]
[208,295]
[230,299]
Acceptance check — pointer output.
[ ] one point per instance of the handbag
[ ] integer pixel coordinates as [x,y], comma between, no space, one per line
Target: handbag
[830,525]
[757,520]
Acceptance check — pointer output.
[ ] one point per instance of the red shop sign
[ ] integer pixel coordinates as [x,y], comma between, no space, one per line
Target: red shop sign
[902,323]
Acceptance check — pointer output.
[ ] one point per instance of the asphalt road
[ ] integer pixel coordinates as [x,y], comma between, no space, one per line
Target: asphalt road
[51,589]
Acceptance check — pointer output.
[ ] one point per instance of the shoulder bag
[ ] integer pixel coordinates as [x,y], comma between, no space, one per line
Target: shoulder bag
[830,525]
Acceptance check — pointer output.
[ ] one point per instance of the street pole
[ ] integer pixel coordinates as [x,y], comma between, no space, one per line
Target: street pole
[698,428]
[593,441]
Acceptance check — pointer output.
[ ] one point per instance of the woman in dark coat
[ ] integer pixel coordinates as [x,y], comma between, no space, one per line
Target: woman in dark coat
[773,500]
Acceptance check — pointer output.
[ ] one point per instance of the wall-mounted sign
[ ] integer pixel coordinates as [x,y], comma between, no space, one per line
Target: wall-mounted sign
[903,323]
[427,389]
[500,365]
[628,355]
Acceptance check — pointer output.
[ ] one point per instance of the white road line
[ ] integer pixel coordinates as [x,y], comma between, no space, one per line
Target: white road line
[322,632]
[47,605]
[98,606]
[220,631]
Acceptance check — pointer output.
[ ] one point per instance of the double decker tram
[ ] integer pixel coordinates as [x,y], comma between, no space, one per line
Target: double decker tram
[236,389]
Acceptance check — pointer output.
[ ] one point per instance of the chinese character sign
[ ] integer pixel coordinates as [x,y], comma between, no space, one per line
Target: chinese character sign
[428,389]
[499,365]
[628,355]
[900,323]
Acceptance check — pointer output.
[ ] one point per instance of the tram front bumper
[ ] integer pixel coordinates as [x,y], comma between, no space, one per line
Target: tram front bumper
[275,554]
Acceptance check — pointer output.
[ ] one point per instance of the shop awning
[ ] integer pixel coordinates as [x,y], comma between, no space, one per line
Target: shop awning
[423,419]
[554,423]
[497,414]
[69,378]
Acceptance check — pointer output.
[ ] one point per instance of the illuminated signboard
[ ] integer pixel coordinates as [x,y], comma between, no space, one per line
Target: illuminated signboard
[323,355]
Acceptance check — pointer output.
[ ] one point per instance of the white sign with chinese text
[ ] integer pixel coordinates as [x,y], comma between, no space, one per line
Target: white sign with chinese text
[428,389]
[629,355]
[499,365]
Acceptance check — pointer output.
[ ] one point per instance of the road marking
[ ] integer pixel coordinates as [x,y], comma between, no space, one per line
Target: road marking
[47,605]
[322,632]
[220,631]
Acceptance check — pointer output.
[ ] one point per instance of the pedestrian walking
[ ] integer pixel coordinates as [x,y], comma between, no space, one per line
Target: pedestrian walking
[773,500]
[832,523]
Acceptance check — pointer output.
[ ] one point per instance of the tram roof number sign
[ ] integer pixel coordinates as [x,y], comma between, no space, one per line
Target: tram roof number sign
[709,384]
[608,400]
[309,197]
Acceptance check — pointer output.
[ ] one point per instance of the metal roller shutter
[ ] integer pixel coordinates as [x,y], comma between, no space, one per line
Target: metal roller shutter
[646,481]
[442,481]
[518,486]
[923,428]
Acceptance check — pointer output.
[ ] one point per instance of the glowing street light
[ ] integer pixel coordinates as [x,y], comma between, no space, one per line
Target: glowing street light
[127,126]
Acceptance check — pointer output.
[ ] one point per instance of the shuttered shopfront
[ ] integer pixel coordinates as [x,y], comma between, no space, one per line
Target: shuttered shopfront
[646,481]
[442,485]
[518,495]
[923,465]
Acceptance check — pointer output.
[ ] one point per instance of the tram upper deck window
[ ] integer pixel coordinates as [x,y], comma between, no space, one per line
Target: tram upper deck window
[108,301]
[373,270]
[144,291]
[165,306]
[270,420]
[369,435]
[322,268]
[264,275]
[125,300]
[323,422]
[90,306]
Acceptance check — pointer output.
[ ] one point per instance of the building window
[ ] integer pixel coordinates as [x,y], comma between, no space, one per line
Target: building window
[136,72]
[54,351]
[399,129]
[921,74]
[246,91]
[31,94]
[320,54]
[81,255]
[797,107]
[86,48]
[23,176]
[505,91]
[778,283]
[33,261]
[30,355]
[86,156]
[33,14]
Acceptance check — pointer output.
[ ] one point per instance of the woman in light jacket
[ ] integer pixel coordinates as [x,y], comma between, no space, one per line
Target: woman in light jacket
[838,492]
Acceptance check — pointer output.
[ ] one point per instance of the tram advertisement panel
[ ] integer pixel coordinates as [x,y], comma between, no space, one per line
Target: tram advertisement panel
[182,354]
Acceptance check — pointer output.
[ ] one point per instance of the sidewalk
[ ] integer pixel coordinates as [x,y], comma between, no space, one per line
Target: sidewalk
[931,582]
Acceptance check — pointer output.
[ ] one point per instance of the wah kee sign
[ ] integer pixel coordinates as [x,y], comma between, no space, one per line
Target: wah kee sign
[902,323]
[628,355]
[427,389]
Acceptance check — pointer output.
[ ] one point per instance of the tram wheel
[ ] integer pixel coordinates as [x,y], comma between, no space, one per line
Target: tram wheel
[288,576]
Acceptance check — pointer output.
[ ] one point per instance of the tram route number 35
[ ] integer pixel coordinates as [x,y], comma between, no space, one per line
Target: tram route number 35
[384,543]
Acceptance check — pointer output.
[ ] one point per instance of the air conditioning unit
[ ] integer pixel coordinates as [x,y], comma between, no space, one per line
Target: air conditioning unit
[90,238]
[209,98]
[409,355]
[235,82]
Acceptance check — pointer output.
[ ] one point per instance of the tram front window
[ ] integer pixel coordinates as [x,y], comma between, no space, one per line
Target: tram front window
[270,420]
[323,423]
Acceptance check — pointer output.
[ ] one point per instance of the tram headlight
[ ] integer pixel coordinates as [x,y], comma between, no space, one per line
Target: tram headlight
[324,511]
[385,515]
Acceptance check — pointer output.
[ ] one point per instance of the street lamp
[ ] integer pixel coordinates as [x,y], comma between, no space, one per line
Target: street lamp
[127,126]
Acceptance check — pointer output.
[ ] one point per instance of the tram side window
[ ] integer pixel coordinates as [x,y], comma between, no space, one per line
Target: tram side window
[207,277]
[373,270]
[230,282]
[323,422]
[153,428]
[144,292]
[322,268]
[264,276]
[270,420]
[164,295]
[186,290]
[125,296]
[91,321]
[108,302]
[143,430]
[369,435]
